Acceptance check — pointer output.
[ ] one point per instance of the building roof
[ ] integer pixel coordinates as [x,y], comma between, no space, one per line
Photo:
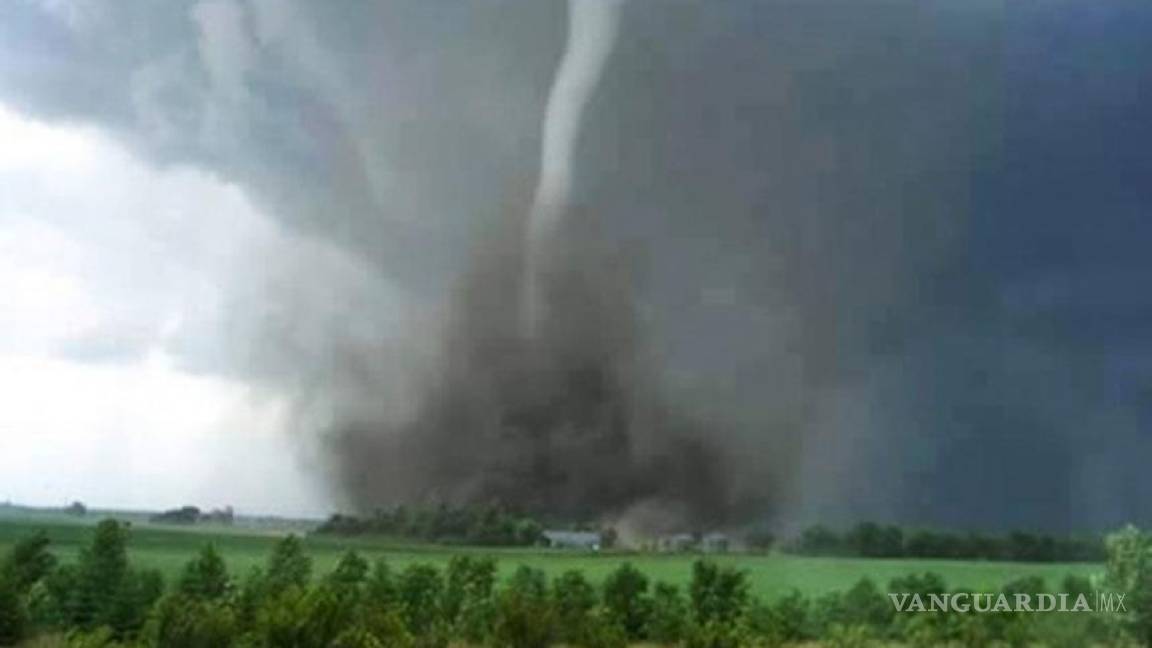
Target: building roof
[573,537]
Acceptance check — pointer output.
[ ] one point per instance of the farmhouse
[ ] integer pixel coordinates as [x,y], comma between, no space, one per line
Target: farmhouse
[587,540]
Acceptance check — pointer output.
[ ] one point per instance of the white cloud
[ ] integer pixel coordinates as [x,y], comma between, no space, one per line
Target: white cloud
[131,266]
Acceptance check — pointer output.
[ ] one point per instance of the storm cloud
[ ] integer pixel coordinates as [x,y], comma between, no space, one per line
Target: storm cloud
[862,260]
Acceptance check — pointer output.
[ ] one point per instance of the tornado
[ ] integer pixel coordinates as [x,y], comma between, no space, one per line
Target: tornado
[592,30]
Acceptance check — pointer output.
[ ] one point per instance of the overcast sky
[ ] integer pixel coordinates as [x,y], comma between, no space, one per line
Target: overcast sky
[911,235]
[108,267]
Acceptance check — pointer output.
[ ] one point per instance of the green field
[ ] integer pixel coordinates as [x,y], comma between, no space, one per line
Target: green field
[167,548]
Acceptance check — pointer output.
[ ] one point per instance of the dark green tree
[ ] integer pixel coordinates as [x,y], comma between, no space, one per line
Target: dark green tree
[718,594]
[381,585]
[205,576]
[1129,571]
[100,576]
[13,614]
[468,602]
[524,615]
[669,617]
[27,562]
[182,621]
[573,599]
[626,598]
[288,565]
[350,572]
[420,591]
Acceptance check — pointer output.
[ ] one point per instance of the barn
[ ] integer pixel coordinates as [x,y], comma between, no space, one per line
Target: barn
[586,540]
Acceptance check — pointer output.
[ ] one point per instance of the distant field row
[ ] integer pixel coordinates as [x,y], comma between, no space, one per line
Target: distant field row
[167,549]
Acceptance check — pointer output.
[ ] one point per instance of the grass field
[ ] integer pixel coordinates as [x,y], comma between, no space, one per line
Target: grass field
[167,548]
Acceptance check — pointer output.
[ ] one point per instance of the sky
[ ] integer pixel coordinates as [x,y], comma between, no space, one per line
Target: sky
[895,251]
[107,267]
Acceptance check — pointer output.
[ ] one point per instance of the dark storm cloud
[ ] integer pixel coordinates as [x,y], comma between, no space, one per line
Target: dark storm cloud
[893,255]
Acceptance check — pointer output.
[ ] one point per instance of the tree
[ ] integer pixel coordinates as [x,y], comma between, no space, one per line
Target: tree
[625,597]
[350,572]
[669,616]
[524,617]
[288,565]
[13,613]
[468,605]
[420,590]
[205,576]
[718,594]
[1129,571]
[137,593]
[101,572]
[27,562]
[819,541]
[181,621]
[573,600]
[381,585]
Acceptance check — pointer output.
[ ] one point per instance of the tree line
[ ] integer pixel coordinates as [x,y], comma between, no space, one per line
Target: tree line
[870,540]
[485,526]
[102,600]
